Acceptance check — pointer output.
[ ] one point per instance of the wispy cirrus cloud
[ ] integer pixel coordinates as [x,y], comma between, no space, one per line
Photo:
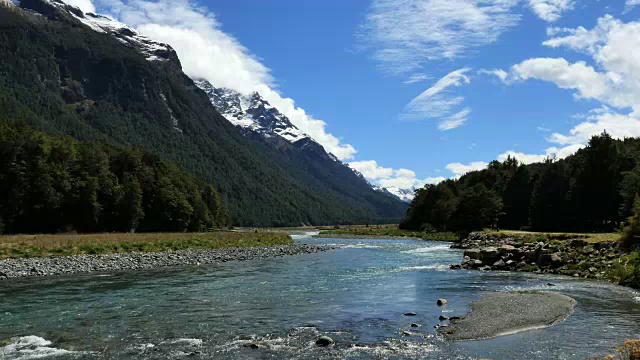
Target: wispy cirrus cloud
[441,102]
[404,35]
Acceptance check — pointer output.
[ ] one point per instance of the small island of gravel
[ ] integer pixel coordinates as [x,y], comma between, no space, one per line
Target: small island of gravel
[500,314]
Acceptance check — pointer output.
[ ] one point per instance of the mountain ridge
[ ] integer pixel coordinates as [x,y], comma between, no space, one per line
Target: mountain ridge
[93,86]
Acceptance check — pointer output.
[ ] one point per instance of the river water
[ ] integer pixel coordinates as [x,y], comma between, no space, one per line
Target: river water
[356,295]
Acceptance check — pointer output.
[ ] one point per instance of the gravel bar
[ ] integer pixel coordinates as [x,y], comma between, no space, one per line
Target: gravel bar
[506,313]
[45,266]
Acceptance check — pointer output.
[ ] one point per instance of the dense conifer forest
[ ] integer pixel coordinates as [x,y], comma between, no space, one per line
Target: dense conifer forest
[55,184]
[593,190]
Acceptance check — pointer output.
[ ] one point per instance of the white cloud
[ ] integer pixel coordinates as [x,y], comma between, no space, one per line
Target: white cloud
[455,120]
[439,102]
[617,125]
[552,152]
[550,10]
[632,3]
[459,169]
[205,51]
[406,34]
[404,179]
[370,169]
[499,73]
[84,5]
[417,77]
[613,80]
[578,76]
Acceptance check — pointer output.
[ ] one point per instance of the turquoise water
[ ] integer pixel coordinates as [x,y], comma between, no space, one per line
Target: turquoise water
[356,295]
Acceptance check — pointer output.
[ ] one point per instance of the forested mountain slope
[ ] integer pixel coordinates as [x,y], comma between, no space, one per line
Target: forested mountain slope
[593,190]
[65,72]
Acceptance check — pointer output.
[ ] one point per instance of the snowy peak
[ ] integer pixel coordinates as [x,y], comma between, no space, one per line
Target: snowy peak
[405,195]
[150,49]
[253,113]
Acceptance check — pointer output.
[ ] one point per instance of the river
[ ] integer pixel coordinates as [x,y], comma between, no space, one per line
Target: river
[356,295]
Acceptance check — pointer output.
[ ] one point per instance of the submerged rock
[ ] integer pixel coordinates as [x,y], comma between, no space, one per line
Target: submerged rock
[324,341]
[409,314]
[441,302]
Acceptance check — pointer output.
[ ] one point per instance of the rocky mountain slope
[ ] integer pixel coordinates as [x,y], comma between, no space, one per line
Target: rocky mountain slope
[87,76]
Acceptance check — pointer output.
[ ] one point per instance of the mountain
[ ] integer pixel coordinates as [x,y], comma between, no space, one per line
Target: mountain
[66,72]
[254,116]
[405,195]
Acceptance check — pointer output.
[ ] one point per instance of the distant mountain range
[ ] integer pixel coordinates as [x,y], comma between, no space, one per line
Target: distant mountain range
[97,79]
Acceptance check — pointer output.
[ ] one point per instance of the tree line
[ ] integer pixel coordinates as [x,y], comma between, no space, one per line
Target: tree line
[593,190]
[55,184]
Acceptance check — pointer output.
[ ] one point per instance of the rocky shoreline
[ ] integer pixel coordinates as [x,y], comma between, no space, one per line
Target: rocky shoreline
[572,257]
[58,265]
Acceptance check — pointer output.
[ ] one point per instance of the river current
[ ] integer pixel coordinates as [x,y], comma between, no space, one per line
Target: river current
[277,308]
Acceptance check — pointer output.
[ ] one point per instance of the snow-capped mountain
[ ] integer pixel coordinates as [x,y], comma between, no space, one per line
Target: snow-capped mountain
[405,195]
[149,48]
[254,114]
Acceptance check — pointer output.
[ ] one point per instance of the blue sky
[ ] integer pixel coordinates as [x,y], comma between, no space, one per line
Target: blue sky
[531,78]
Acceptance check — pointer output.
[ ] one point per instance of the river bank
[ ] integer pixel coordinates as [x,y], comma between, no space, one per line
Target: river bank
[57,265]
[499,314]
[564,255]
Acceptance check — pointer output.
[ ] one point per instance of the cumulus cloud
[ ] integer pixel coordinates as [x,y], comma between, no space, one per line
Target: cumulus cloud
[612,78]
[551,10]
[552,152]
[406,34]
[440,101]
[207,52]
[389,178]
[459,169]
[370,169]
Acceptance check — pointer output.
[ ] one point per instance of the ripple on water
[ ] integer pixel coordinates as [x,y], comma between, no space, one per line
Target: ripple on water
[30,347]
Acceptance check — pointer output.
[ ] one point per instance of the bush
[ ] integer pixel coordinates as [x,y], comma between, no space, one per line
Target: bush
[626,271]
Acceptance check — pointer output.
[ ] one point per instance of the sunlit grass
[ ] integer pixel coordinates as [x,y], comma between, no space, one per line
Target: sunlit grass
[17,246]
[529,236]
[387,230]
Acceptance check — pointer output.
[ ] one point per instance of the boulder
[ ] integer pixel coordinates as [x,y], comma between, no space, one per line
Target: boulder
[441,302]
[588,250]
[499,264]
[443,318]
[414,325]
[472,254]
[324,341]
[488,255]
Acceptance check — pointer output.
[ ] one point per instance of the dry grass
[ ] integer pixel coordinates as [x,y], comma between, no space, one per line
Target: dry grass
[542,236]
[16,246]
[390,230]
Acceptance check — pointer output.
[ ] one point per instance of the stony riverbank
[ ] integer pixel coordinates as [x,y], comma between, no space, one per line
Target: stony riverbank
[573,257]
[499,314]
[57,265]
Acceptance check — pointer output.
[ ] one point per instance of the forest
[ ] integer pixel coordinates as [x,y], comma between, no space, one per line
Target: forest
[62,78]
[595,190]
[58,184]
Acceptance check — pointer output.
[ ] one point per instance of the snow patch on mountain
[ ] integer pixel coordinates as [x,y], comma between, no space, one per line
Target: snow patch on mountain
[150,49]
[405,195]
[252,112]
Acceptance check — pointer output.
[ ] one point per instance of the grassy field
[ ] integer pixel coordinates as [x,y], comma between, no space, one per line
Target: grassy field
[528,236]
[17,246]
[386,231]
